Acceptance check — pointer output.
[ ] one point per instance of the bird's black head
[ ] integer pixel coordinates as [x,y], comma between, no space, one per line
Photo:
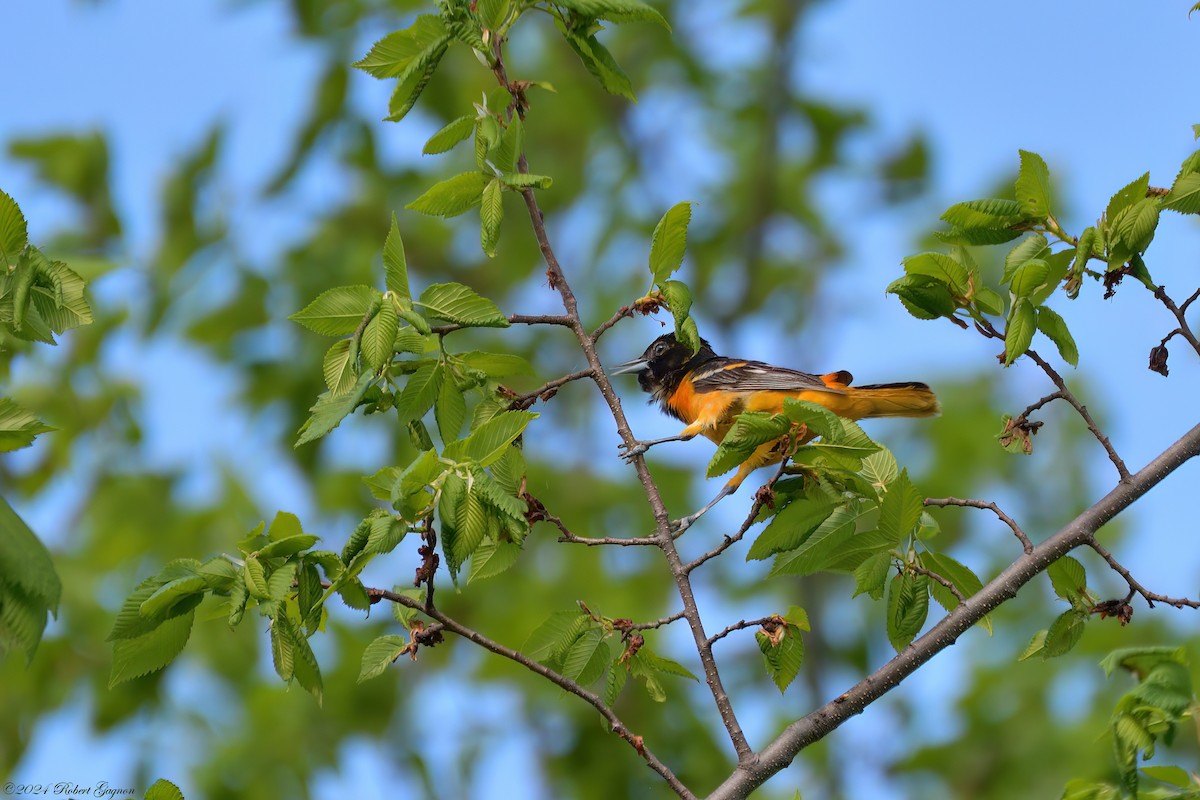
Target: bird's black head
[664,363]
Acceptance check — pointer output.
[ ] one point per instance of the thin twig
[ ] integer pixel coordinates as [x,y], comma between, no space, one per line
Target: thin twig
[1179,312]
[658,623]
[538,513]
[933,576]
[566,684]
[741,625]
[515,319]
[1134,587]
[761,498]
[622,313]
[547,390]
[942,502]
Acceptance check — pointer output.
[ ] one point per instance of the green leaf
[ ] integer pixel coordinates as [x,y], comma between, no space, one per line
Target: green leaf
[470,526]
[151,651]
[749,430]
[256,579]
[870,576]
[379,655]
[880,469]
[488,442]
[1064,633]
[454,132]
[976,237]
[600,62]
[491,213]
[379,337]
[965,580]
[940,267]
[395,266]
[1033,186]
[163,789]
[586,658]
[992,214]
[1068,578]
[1028,249]
[14,232]
[783,654]
[492,558]
[1019,333]
[453,196]
[1185,195]
[1136,225]
[165,596]
[1035,646]
[1055,328]
[679,300]
[924,297]
[340,367]
[792,526]
[827,545]
[512,144]
[614,682]
[1028,277]
[495,365]
[289,545]
[550,640]
[526,180]
[1176,776]
[18,426]
[450,409]
[420,391]
[304,663]
[901,508]
[669,242]
[460,304]
[908,605]
[337,312]
[616,10]
[329,411]
[1126,197]
[411,56]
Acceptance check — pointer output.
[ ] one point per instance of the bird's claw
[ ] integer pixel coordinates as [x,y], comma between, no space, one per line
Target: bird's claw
[630,452]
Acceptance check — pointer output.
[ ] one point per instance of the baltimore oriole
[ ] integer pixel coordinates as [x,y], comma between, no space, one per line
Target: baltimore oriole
[707,392]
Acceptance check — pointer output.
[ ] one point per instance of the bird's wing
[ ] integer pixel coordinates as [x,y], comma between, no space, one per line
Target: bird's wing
[736,375]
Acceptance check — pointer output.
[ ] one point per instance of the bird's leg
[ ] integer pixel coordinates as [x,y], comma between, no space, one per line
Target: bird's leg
[639,446]
[682,524]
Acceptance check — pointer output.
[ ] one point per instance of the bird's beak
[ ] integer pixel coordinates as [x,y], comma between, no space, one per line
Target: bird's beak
[637,365]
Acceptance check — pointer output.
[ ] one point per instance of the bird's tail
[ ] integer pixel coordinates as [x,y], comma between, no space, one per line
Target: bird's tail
[891,400]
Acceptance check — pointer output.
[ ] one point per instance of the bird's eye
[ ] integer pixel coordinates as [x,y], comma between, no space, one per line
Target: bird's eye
[660,348]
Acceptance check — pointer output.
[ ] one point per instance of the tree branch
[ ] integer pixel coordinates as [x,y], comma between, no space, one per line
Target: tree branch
[816,725]
[762,497]
[515,319]
[566,684]
[741,625]
[547,390]
[1180,312]
[1136,588]
[984,504]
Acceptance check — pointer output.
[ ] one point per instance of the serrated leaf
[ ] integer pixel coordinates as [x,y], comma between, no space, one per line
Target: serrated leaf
[338,311]
[977,237]
[825,546]
[1028,277]
[491,214]
[526,180]
[420,391]
[18,426]
[990,214]
[678,298]
[340,366]
[923,297]
[901,508]
[669,241]
[489,441]
[393,55]
[492,558]
[1185,195]
[1028,249]
[1033,185]
[550,640]
[908,605]
[256,579]
[379,337]
[871,575]
[163,789]
[1019,332]
[329,410]
[989,301]
[289,545]
[614,682]
[963,578]
[1034,647]
[453,196]
[1136,225]
[1126,196]
[166,595]
[616,10]
[783,654]
[512,143]
[600,62]
[749,430]
[941,268]
[1068,578]
[586,658]
[462,305]
[14,232]
[880,469]
[1064,634]
[1176,776]
[152,651]
[395,265]
[449,410]
[1055,328]
[445,139]
[305,668]
[496,365]
[379,655]
[470,526]
[791,527]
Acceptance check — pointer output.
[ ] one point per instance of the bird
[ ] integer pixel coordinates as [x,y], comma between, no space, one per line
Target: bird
[707,392]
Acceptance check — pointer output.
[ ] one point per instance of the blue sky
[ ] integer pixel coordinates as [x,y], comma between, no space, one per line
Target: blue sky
[1103,90]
